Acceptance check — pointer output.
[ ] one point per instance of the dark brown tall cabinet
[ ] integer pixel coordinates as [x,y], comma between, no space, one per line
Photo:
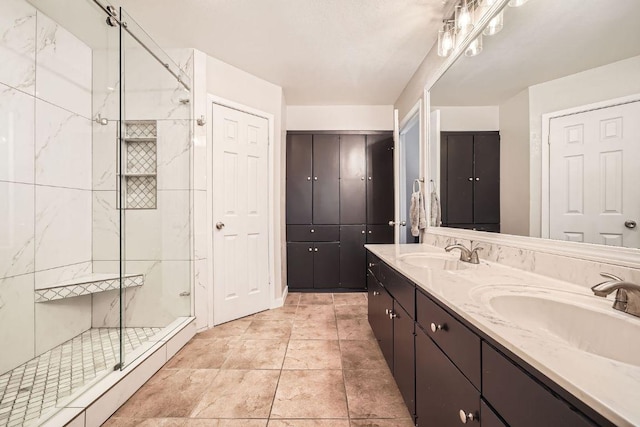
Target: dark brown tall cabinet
[470,180]
[339,197]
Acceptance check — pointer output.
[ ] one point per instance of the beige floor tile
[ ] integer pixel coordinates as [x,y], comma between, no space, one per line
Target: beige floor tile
[257,354]
[312,354]
[292,298]
[267,330]
[372,393]
[169,393]
[286,312]
[314,330]
[351,298]
[315,312]
[362,354]
[203,354]
[234,328]
[351,311]
[310,394]
[354,329]
[308,423]
[404,422]
[238,394]
[184,422]
[311,298]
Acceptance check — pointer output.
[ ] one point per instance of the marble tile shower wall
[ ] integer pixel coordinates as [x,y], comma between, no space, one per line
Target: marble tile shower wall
[575,270]
[45,179]
[158,241]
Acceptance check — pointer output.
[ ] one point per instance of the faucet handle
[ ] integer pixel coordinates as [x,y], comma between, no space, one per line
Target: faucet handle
[611,276]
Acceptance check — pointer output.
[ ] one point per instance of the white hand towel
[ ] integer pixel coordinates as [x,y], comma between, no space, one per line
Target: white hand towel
[435,209]
[422,214]
[414,213]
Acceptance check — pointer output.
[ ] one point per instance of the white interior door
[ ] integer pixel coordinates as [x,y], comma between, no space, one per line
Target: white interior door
[593,168]
[240,214]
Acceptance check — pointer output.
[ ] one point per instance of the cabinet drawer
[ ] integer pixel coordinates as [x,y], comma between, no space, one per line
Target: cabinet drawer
[373,265]
[313,233]
[459,343]
[400,288]
[520,399]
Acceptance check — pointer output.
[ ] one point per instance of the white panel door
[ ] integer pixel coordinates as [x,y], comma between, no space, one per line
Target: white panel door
[240,214]
[594,175]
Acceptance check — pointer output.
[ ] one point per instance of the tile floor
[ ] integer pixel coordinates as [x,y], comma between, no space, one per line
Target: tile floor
[312,363]
[41,385]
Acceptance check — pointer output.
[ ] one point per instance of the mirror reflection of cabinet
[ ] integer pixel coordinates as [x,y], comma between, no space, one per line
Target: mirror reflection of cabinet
[470,180]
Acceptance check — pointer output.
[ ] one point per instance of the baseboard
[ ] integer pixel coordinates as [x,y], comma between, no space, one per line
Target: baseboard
[279,302]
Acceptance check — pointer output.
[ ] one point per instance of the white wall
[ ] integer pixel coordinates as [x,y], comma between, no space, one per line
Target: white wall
[340,117]
[463,119]
[514,165]
[598,84]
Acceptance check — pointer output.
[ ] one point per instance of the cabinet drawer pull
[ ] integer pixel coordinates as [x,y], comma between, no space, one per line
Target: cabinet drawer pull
[315,249]
[465,417]
[312,230]
[392,315]
[387,311]
[376,293]
[308,178]
[436,328]
[310,250]
[372,264]
[315,178]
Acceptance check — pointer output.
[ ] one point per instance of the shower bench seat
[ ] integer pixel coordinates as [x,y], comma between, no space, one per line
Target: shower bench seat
[88,284]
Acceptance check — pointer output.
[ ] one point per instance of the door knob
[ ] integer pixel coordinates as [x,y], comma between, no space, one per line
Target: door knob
[631,224]
[219,225]
[436,328]
[465,417]
[392,223]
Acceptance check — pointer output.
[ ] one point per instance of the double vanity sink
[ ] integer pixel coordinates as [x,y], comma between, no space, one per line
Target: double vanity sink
[563,331]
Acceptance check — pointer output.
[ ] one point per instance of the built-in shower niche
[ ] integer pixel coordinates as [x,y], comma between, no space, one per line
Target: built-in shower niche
[140,147]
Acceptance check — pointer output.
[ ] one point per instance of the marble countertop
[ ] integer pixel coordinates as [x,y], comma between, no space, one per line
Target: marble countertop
[610,387]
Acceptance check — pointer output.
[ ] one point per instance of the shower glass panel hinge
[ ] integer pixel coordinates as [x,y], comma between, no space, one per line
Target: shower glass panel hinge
[117,366]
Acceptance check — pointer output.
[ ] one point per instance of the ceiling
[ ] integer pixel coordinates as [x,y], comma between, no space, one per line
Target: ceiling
[322,52]
[542,40]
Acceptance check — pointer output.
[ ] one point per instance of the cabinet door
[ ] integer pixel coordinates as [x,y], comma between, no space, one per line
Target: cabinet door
[326,182]
[380,302]
[486,206]
[404,356]
[441,390]
[353,185]
[379,234]
[353,257]
[299,179]
[300,265]
[459,178]
[380,203]
[520,399]
[326,265]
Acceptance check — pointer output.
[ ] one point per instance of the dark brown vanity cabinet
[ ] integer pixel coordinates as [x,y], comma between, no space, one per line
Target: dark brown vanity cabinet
[392,318]
[344,182]
[450,373]
[470,180]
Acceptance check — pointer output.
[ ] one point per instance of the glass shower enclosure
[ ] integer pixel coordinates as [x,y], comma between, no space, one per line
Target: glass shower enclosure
[95,218]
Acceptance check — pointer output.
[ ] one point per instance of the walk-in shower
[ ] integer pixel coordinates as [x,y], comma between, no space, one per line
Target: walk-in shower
[96,246]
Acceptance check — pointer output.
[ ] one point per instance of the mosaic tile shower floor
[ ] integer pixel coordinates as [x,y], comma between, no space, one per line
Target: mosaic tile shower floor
[35,388]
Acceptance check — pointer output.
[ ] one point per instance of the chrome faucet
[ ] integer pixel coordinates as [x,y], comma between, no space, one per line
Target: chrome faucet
[466,255]
[627,295]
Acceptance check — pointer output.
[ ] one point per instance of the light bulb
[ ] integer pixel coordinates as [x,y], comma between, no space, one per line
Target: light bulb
[495,25]
[445,40]
[475,47]
[464,18]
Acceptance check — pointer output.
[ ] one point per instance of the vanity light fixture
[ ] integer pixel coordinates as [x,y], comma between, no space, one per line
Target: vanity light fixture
[497,22]
[475,47]
[464,17]
[446,39]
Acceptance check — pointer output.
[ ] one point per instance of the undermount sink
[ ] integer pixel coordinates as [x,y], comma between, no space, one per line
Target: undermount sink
[579,320]
[433,260]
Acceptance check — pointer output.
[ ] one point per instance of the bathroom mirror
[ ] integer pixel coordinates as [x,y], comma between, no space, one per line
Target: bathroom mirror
[561,85]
